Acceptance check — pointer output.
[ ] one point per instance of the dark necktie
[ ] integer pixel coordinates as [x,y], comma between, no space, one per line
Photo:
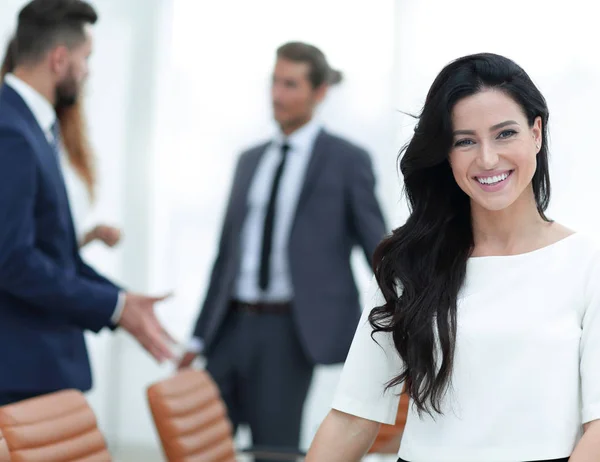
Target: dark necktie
[267,242]
[55,143]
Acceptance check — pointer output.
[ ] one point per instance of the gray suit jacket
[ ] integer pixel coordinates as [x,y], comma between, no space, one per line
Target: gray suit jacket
[337,210]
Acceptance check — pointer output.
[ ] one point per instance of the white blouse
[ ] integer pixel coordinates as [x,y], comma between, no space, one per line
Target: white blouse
[527,362]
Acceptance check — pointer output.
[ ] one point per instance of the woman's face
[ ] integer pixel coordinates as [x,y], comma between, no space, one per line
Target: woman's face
[494,150]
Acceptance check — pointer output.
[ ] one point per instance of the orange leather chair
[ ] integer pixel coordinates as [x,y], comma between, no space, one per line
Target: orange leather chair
[389,436]
[192,423]
[4,454]
[53,428]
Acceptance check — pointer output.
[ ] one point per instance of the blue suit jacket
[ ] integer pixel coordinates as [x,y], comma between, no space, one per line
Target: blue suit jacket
[48,295]
[337,210]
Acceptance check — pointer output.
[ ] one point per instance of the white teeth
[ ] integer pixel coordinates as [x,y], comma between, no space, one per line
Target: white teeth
[493,179]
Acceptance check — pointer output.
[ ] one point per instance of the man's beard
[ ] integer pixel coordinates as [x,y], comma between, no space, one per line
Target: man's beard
[66,93]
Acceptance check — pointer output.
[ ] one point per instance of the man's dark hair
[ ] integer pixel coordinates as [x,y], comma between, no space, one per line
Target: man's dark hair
[320,72]
[44,24]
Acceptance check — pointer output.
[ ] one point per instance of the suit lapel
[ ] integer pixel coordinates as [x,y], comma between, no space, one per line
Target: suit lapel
[314,168]
[244,182]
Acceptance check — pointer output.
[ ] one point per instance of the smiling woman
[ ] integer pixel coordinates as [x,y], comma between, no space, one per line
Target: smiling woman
[490,312]
[488,156]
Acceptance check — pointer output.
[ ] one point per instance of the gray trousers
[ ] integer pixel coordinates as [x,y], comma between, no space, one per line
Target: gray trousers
[263,375]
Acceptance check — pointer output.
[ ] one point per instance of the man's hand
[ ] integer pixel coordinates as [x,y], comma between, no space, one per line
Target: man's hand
[187,360]
[109,235]
[139,320]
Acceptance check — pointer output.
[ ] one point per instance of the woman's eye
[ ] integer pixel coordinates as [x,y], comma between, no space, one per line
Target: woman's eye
[507,134]
[465,142]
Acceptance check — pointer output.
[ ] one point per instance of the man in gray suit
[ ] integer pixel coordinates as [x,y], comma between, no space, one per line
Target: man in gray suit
[282,297]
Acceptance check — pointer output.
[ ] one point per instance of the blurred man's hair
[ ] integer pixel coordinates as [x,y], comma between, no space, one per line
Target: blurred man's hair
[45,24]
[320,72]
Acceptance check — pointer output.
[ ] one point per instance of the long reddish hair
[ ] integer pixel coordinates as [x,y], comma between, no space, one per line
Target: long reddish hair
[73,131]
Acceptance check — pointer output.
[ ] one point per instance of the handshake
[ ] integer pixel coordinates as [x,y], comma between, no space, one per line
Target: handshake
[138,318]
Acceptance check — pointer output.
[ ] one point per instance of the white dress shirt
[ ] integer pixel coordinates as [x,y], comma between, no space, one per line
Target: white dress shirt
[45,115]
[280,289]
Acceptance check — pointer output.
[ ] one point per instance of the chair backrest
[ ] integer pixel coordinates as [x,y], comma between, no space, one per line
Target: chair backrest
[4,454]
[389,436]
[54,427]
[191,419]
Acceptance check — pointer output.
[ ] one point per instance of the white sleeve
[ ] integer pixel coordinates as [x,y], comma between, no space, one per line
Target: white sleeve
[589,367]
[116,316]
[367,370]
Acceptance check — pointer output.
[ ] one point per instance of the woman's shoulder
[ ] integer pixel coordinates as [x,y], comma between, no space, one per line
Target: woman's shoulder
[572,251]
[579,247]
[560,239]
[576,239]
[556,231]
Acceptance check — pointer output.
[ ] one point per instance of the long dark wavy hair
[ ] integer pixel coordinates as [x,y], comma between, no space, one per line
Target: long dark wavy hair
[421,266]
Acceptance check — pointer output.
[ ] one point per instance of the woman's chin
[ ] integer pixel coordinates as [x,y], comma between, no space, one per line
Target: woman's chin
[491,205]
